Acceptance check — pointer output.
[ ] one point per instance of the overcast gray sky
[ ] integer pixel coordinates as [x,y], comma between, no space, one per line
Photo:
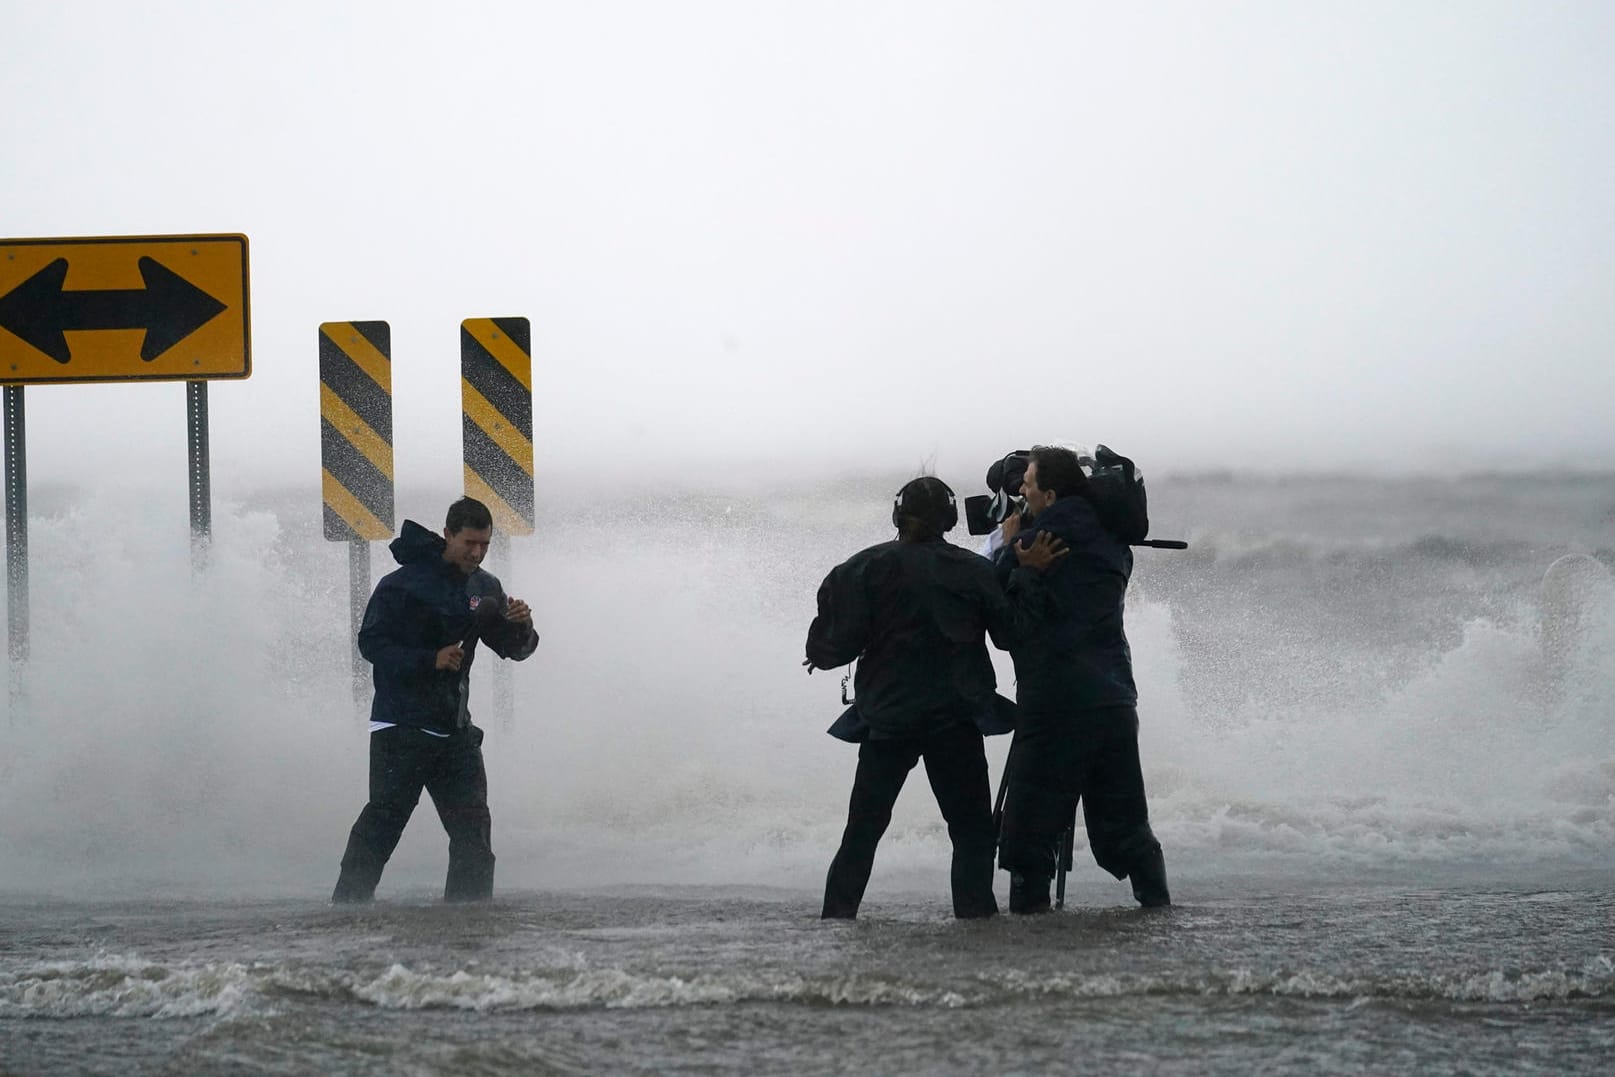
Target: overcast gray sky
[1297,235]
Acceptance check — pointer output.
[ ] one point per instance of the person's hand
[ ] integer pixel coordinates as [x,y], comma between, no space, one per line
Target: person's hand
[1043,552]
[518,612]
[808,662]
[1009,528]
[450,657]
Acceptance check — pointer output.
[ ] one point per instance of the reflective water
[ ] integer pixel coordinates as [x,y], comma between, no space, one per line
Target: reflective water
[707,980]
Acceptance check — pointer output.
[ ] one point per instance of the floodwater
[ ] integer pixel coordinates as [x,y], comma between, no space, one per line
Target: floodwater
[1378,748]
[711,980]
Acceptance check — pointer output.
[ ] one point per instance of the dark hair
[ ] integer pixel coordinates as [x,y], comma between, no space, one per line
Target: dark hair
[467,512]
[1058,471]
[924,508]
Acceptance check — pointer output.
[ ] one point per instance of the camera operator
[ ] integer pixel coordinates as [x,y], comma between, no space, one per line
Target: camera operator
[1076,737]
[915,613]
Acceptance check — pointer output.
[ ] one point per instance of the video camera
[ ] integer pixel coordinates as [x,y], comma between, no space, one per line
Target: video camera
[1115,489]
[984,512]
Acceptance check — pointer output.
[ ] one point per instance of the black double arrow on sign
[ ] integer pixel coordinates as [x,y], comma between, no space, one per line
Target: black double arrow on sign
[169,308]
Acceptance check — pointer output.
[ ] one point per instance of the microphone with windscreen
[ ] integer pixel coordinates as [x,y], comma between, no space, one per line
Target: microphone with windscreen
[487,613]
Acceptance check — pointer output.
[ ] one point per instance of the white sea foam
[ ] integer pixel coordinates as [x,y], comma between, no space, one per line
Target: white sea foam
[401,988]
[1596,979]
[130,987]
[613,988]
[117,985]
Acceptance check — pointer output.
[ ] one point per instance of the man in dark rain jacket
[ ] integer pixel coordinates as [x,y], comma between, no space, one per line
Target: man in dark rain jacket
[915,613]
[420,632]
[1076,732]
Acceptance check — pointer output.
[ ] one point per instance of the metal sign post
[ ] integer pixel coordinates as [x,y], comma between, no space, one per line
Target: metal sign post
[358,599]
[16,436]
[200,476]
[496,397]
[356,458]
[504,678]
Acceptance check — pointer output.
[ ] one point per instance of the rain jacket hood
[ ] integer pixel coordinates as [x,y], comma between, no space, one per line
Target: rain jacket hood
[415,544]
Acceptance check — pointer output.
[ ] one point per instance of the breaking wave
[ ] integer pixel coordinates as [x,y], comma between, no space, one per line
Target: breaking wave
[130,987]
[117,985]
[1330,714]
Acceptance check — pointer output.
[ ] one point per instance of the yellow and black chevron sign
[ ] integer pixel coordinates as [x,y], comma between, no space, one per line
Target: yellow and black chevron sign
[496,394]
[356,429]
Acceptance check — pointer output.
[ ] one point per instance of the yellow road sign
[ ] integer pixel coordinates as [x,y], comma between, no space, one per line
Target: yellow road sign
[356,429]
[129,308]
[496,405]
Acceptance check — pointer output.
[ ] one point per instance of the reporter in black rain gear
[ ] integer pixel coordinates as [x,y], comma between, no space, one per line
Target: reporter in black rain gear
[420,632]
[915,613]
[1076,733]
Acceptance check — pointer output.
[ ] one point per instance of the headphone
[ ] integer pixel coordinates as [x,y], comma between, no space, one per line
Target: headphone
[930,490]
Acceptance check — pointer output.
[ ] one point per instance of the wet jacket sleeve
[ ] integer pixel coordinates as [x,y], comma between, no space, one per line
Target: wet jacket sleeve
[504,638]
[512,641]
[381,636]
[1017,606]
[841,630]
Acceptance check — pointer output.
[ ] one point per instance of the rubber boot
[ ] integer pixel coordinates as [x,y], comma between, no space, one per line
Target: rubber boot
[1028,893]
[1149,880]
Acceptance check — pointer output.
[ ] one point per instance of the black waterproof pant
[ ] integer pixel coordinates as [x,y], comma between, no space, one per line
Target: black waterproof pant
[403,761]
[957,768]
[1091,756]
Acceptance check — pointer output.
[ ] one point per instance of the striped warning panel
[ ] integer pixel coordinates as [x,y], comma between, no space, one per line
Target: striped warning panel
[356,430]
[496,396]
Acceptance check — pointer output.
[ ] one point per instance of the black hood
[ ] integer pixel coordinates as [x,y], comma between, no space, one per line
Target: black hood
[415,544]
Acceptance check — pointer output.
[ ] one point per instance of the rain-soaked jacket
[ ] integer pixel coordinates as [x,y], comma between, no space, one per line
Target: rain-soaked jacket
[1078,657]
[916,616]
[417,610]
